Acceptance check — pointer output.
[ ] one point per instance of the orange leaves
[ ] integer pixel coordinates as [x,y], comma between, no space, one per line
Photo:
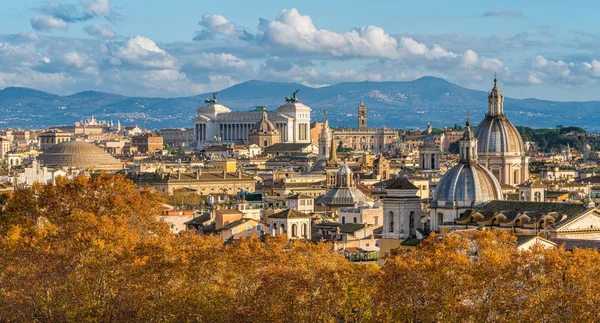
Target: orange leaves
[92,250]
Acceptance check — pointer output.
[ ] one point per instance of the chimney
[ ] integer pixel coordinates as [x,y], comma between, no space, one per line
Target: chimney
[178,174]
[197,175]
[239,174]
[225,172]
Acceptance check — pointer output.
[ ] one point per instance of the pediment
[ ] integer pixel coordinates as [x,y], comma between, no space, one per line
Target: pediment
[588,220]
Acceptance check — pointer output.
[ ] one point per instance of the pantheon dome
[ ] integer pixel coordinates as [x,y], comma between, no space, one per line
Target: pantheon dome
[78,155]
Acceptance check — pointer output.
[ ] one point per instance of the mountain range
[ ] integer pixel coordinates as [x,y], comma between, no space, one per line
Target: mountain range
[392,104]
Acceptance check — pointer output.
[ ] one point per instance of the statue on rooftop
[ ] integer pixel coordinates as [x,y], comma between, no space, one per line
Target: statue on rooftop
[214,98]
[293,98]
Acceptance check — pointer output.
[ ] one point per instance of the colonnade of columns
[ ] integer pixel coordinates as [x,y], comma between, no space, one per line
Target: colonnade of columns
[234,131]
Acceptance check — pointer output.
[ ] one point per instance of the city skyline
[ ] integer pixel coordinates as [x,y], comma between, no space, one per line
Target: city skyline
[70,46]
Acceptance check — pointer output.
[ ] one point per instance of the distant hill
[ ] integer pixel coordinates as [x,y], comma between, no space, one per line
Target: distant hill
[393,104]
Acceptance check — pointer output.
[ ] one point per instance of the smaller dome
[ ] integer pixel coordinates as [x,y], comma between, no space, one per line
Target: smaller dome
[264,126]
[469,184]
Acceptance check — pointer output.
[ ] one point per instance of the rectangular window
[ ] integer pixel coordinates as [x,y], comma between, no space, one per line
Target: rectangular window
[258,228]
[355,220]
[248,228]
[376,218]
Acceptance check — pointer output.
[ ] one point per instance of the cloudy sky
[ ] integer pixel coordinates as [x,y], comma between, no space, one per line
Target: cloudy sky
[543,49]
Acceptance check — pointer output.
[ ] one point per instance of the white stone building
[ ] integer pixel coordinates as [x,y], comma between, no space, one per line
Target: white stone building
[217,123]
[291,223]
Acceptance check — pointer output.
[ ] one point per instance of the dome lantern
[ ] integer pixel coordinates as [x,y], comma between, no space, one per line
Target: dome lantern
[468,146]
[495,101]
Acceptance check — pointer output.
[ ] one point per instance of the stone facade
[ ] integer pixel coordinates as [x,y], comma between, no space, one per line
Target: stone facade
[217,123]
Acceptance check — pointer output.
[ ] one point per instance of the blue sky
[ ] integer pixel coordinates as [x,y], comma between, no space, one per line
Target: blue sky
[542,49]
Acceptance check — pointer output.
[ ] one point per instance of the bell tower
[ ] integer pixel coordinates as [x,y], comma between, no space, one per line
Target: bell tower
[362,117]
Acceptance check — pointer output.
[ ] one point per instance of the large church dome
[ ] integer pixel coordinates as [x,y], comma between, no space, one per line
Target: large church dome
[468,183]
[79,155]
[496,135]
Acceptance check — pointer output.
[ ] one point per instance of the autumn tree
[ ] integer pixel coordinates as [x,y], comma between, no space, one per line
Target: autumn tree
[92,249]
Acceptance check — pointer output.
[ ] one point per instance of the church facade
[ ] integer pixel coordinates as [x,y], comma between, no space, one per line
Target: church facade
[216,123]
[363,138]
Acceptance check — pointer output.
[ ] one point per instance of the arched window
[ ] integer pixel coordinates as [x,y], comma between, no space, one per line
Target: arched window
[440,219]
[304,230]
[411,220]
[282,229]
[391,229]
[294,230]
[274,228]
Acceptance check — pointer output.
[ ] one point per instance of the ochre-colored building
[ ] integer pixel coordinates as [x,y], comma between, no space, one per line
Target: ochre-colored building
[147,143]
[202,183]
[264,133]
[363,138]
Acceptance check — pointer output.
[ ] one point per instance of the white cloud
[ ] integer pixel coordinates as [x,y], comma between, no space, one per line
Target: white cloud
[295,31]
[100,31]
[563,73]
[211,61]
[99,8]
[219,24]
[534,79]
[58,15]
[470,59]
[143,52]
[48,23]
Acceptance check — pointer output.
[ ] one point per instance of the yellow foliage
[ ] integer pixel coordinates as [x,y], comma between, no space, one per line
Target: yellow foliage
[92,250]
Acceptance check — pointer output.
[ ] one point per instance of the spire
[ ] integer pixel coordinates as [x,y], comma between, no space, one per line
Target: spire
[324,113]
[333,153]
